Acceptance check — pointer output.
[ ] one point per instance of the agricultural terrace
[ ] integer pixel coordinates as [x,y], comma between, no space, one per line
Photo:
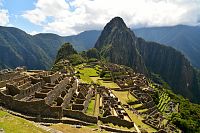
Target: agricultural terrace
[90,74]
[125,97]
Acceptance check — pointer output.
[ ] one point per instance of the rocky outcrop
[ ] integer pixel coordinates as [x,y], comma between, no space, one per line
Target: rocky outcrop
[117,44]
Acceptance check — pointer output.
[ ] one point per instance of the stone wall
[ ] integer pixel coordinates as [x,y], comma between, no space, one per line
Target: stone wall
[115,130]
[26,92]
[52,95]
[51,78]
[68,97]
[15,79]
[117,121]
[33,108]
[8,75]
[79,115]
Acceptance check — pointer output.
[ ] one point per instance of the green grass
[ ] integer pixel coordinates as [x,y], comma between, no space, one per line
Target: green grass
[163,102]
[108,84]
[142,110]
[138,121]
[85,74]
[90,110]
[95,79]
[124,96]
[137,105]
[14,124]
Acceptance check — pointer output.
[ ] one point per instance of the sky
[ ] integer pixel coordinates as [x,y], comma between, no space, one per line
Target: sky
[69,17]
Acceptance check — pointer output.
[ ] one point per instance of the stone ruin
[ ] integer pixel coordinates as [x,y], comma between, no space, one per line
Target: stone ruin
[36,93]
[111,108]
[139,87]
[46,94]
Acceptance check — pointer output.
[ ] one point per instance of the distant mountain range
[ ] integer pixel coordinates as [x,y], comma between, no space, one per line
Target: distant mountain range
[39,51]
[181,37]
[18,48]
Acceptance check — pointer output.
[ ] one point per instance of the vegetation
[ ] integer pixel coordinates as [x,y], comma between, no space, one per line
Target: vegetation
[76,59]
[14,124]
[164,100]
[108,84]
[85,74]
[124,96]
[93,53]
[65,51]
[187,116]
[90,110]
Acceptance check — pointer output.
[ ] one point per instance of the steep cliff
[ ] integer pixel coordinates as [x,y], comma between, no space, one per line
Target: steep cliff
[117,44]
[171,64]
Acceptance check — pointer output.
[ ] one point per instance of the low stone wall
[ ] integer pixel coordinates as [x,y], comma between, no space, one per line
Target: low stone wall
[26,92]
[149,104]
[33,108]
[79,115]
[117,121]
[116,130]
[77,107]
[152,125]
[52,95]
[51,78]
[135,102]
[25,85]
[68,97]
[8,75]
[3,83]
[51,120]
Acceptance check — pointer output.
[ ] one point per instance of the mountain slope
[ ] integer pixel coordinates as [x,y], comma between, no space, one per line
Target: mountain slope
[118,44]
[174,68]
[181,37]
[18,48]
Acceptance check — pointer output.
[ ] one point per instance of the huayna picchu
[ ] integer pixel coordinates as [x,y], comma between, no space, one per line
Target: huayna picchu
[118,44]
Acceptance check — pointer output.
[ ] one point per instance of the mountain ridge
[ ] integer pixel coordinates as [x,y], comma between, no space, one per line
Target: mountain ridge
[87,39]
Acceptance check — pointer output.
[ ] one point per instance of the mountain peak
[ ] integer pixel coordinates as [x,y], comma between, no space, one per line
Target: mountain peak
[116,22]
[117,42]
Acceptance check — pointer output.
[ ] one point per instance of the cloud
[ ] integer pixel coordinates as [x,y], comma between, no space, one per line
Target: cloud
[70,17]
[4,17]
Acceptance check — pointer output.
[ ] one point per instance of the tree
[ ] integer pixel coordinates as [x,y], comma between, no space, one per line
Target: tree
[93,53]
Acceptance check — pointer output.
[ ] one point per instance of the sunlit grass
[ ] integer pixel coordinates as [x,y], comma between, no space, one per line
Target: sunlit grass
[14,124]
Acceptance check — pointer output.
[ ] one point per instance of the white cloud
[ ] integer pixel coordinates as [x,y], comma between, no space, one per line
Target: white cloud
[33,33]
[71,17]
[4,17]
